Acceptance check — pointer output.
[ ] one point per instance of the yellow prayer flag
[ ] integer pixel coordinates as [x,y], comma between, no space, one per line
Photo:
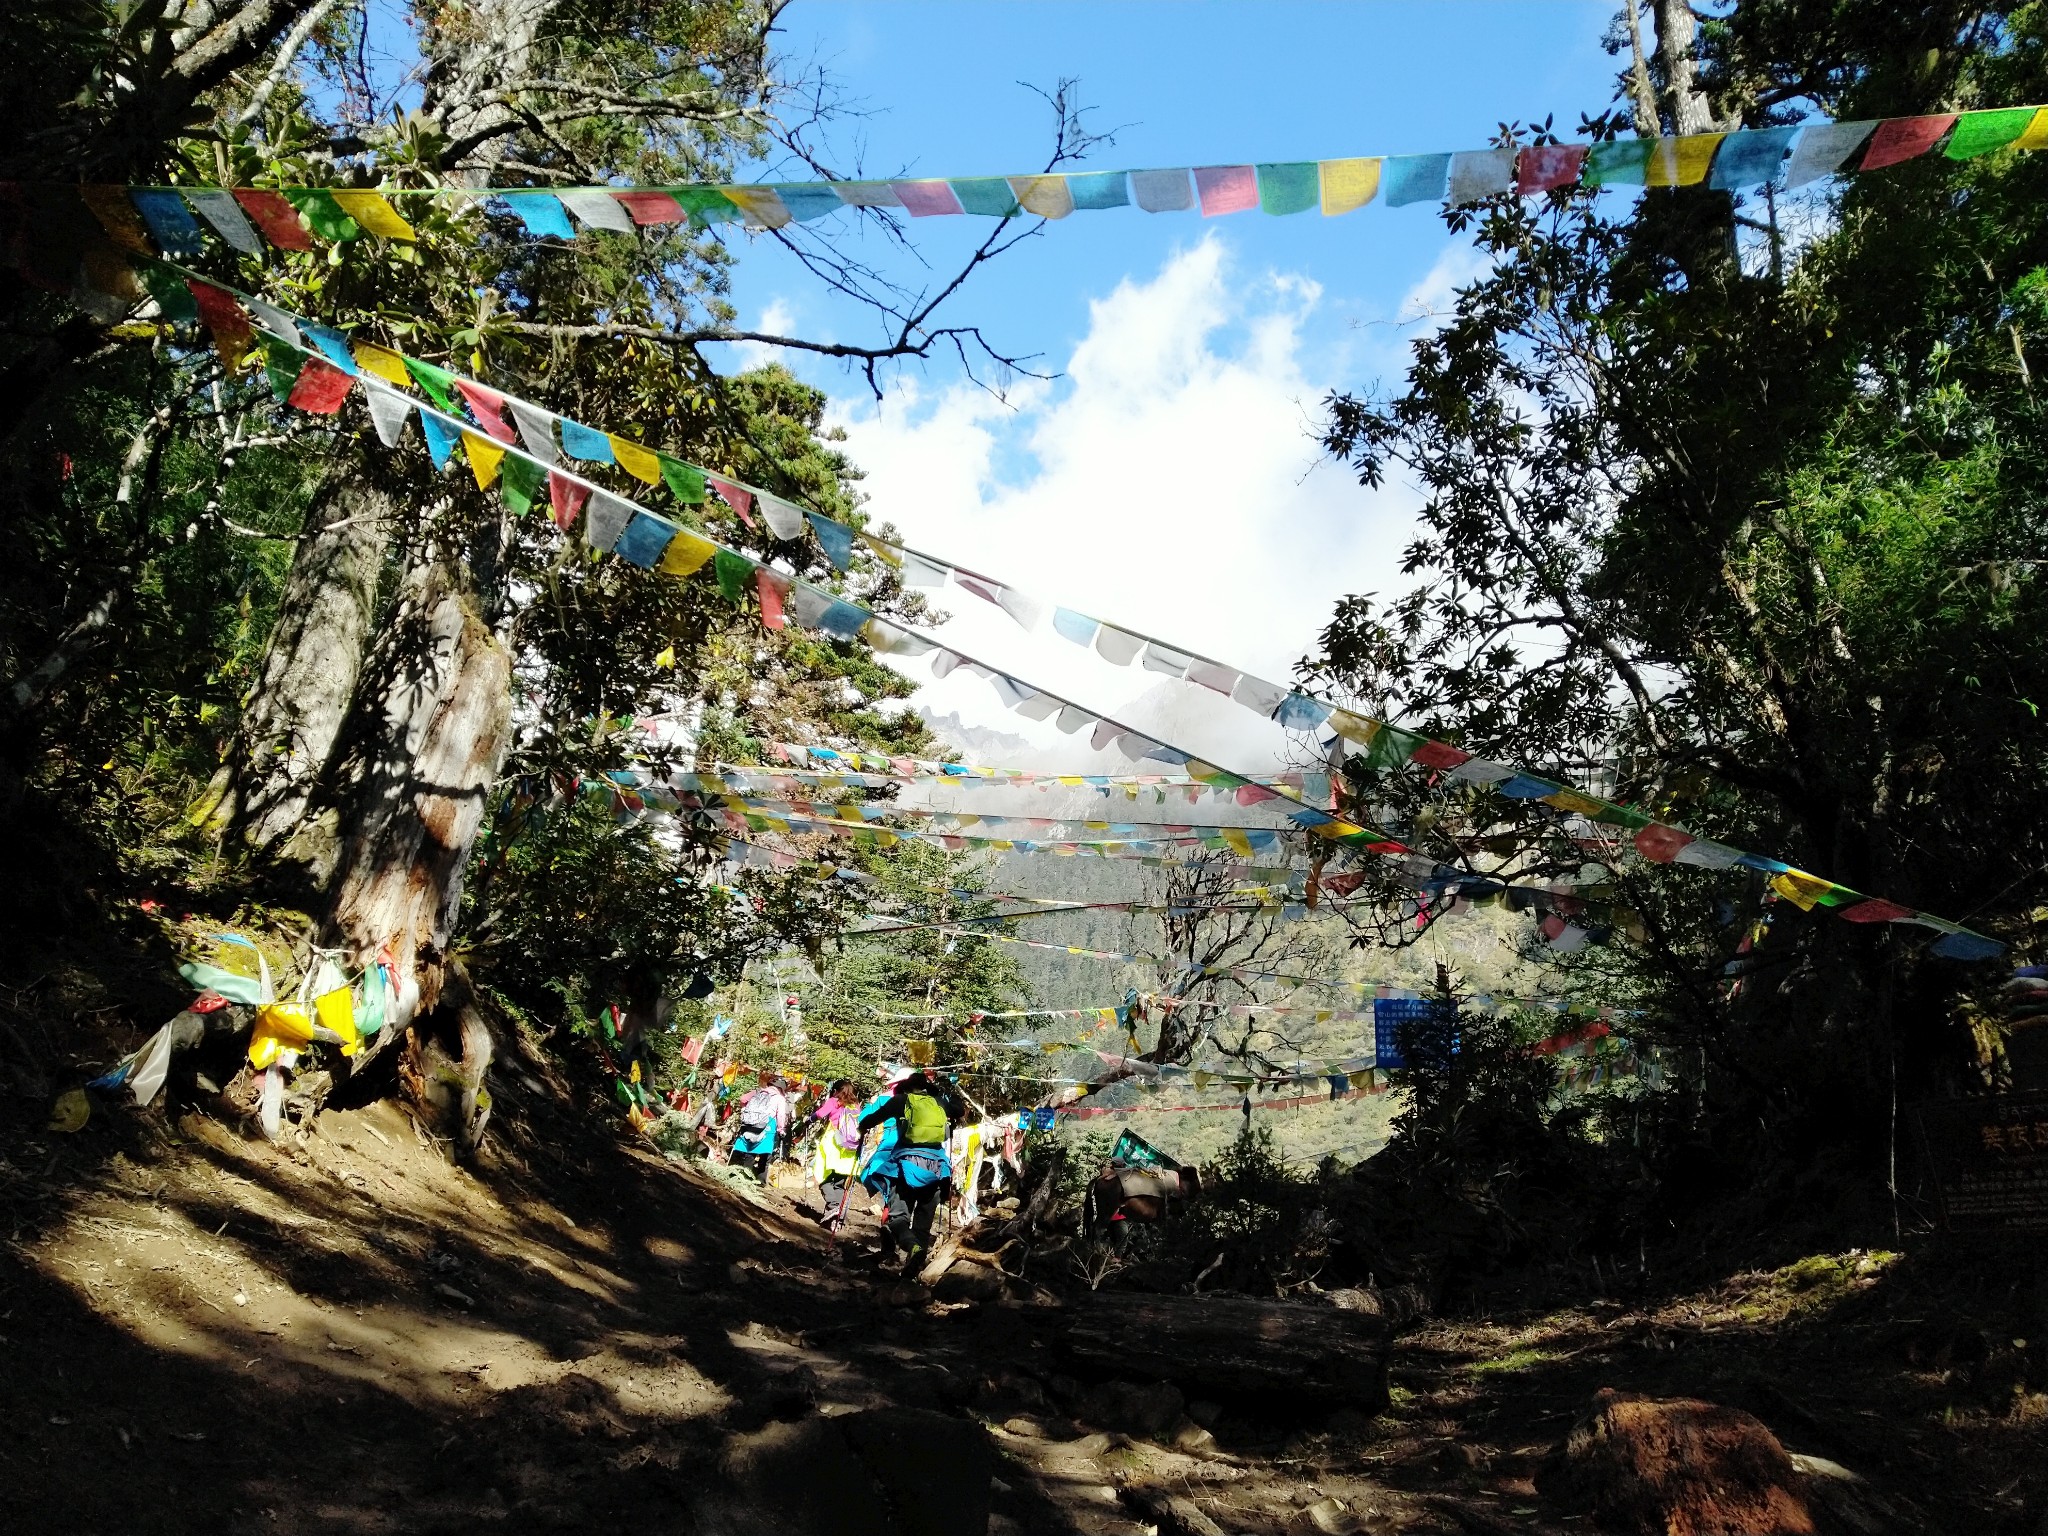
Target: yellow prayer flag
[883,549]
[484,458]
[1348,185]
[1682,161]
[1239,843]
[336,1011]
[686,553]
[1337,829]
[370,210]
[1800,888]
[762,205]
[1072,778]
[384,363]
[636,461]
[2035,135]
[1358,728]
[1047,196]
[1572,800]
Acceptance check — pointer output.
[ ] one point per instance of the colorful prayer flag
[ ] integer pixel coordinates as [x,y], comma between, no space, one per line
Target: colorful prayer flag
[224,318]
[170,222]
[645,540]
[388,410]
[1617,162]
[606,519]
[1046,196]
[1478,174]
[438,382]
[770,587]
[1096,190]
[733,572]
[1905,138]
[651,208]
[685,481]
[320,389]
[484,458]
[763,206]
[1542,167]
[118,218]
[581,442]
[641,463]
[521,482]
[383,362]
[536,430]
[1750,158]
[1979,133]
[1823,149]
[229,222]
[566,496]
[374,213]
[487,406]
[541,212]
[926,199]
[1414,179]
[1291,186]
[990,196]
[1347,185]
[1162,191]
[687,553]
[1681,160]
[597,209]
[1226,189]
[836,539]
[323,215]
[441,438]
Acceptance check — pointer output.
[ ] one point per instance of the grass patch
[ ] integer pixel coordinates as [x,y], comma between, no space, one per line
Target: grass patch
[1513,1360]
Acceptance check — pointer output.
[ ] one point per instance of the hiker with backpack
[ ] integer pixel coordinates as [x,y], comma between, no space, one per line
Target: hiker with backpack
[762,1121]
[911,1171]
[836,1154]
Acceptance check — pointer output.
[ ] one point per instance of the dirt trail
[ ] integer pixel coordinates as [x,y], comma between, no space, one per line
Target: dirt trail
[207,1333]
[199,1332]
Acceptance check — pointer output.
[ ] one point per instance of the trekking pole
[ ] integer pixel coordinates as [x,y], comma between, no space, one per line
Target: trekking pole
[846,1194]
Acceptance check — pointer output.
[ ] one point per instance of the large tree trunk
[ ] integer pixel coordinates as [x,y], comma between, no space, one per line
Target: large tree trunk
[435,718]
[293,723]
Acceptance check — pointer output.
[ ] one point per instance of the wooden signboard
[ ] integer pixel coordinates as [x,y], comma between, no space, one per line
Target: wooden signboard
[1991,1158]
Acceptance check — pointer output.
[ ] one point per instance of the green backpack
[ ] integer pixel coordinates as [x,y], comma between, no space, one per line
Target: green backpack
[924,1120]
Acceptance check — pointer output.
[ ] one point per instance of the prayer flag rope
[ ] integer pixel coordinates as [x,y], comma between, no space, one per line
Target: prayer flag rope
[318,382]
[290,217]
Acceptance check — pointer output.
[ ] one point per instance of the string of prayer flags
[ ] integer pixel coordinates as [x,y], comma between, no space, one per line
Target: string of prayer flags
[608,517]
[160,219]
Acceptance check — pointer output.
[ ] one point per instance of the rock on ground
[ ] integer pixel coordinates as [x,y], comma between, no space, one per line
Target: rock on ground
[1677,1467]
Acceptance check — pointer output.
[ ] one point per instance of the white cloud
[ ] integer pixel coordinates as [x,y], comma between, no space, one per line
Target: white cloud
[1170,481]
[777,319]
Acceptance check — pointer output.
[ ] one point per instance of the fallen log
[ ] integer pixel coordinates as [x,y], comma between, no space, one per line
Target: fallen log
[1212,1345]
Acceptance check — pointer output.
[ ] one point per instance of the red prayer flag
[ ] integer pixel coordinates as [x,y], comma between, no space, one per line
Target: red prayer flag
[652,207]
[568,498]
[321,388]
[1874,910]
[1438,754]
[1905,138]
[1660,844]
[771,598]
[276,218]
[224,317]
[1543,166]
[1226,188]
[487,406]
[1252,794]
[741,501]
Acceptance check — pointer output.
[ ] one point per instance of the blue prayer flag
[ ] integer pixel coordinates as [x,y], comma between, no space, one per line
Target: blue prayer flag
[836,539]
[645,539]
[1077,627]
[334,344]
[581,442]
[1099,189]
[991,195]
[809,200]
[441,438]
[542,213]
[1414,179]
[169,220]
[1750,158]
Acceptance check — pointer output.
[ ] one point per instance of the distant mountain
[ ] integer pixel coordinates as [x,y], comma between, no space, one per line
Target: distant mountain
[977,742]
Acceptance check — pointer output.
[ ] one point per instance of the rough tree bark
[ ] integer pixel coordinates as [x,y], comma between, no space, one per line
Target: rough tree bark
[288,735]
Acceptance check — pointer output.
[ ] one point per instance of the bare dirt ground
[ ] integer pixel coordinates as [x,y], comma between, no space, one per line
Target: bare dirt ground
[204,1333]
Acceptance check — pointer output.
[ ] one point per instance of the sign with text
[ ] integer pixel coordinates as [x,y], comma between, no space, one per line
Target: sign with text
[1991,1158]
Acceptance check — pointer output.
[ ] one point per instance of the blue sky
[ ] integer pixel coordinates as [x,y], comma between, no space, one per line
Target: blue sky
[1168,478]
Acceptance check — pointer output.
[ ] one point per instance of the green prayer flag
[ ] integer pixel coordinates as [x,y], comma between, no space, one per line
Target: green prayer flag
[1979,133]
[1617,162]
[686,480]
[1391,747]
[323,214]
[437,382]
[282,363]
[704,205]
[1290,186]
[172,297]
[734,573]
[522,480]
